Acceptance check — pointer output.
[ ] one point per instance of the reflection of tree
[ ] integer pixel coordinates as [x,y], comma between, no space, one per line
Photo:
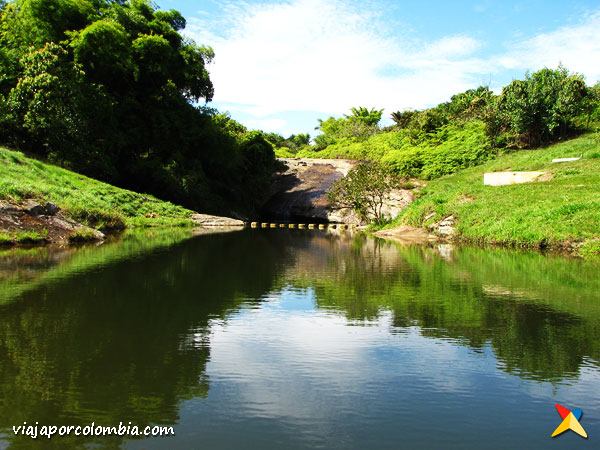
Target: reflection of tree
[540,314]
[128,342]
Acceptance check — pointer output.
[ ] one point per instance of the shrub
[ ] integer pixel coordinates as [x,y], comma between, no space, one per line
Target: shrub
[365,189]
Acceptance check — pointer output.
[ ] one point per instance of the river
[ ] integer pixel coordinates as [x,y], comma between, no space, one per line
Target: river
[297,339]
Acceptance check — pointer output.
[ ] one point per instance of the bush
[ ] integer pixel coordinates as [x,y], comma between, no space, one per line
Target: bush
[365,189]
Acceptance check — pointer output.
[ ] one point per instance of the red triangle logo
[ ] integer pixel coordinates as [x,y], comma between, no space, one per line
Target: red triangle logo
[564,412]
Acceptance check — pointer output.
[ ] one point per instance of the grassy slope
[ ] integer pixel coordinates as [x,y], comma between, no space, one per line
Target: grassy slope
[90,201]
[554,213]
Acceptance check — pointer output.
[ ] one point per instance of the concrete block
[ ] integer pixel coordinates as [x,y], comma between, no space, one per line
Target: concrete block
[565,159]
[506,178]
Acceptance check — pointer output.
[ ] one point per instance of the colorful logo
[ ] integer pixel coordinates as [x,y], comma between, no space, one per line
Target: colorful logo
[570,422]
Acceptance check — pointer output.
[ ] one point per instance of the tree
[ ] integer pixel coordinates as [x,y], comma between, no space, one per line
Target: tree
[404,118]
[362,114]
[365,190]
[110,88]
[359,126]
[543,106]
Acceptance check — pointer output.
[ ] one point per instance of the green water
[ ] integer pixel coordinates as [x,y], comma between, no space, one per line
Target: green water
[298,339]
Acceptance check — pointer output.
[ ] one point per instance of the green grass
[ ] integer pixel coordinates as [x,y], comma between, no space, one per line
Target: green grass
[6,239]
[81,235]
[29,237]
[22,237]
[562,212]
[92,202]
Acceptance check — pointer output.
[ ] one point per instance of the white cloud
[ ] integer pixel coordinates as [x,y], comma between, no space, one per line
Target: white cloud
[576,46]
[276,125]
[324,55]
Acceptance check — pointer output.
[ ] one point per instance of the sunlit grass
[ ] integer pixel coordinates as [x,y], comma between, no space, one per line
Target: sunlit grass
[564,211]
[92,202]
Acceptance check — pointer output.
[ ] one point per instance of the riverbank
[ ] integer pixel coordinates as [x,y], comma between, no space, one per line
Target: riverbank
[562,212]
[41,203]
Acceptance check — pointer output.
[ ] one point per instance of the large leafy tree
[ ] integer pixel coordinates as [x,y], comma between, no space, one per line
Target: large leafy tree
[111,88]
[543,106]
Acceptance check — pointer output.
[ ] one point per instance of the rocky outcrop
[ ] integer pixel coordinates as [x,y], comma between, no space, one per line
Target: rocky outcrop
[300,192]
[44,219]
[206,220]
[407,235]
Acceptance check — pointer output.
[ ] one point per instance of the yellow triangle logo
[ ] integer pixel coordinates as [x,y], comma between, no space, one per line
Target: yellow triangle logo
[570,423]
[576,426]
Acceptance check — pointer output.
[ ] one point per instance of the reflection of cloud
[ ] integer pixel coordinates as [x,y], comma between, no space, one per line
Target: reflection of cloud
[310,363]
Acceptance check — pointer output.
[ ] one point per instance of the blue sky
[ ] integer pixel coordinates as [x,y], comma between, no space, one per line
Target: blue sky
[282,64]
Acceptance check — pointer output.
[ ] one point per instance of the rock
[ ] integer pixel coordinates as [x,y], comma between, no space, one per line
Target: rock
[48,220]
[33,208]
[300,193]
[445,227]
[407,235]
[206,220]
[8,208]
[51,209]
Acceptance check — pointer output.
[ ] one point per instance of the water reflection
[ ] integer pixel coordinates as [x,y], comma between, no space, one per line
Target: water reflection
[299,331]
[541,314]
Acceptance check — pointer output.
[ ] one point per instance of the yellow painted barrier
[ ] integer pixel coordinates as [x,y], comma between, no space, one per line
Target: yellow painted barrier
[292,225]
[254,224]
[282,225]
[273,225]
[321,226]
[311,226]
[333,226]
[301,226]
[264,225]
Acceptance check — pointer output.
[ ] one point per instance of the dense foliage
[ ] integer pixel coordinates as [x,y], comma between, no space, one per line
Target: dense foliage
[110,89]
[540,109]
[549,105]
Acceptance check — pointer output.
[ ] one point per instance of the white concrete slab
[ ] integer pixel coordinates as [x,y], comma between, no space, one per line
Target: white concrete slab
[506,178]
[565,159]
